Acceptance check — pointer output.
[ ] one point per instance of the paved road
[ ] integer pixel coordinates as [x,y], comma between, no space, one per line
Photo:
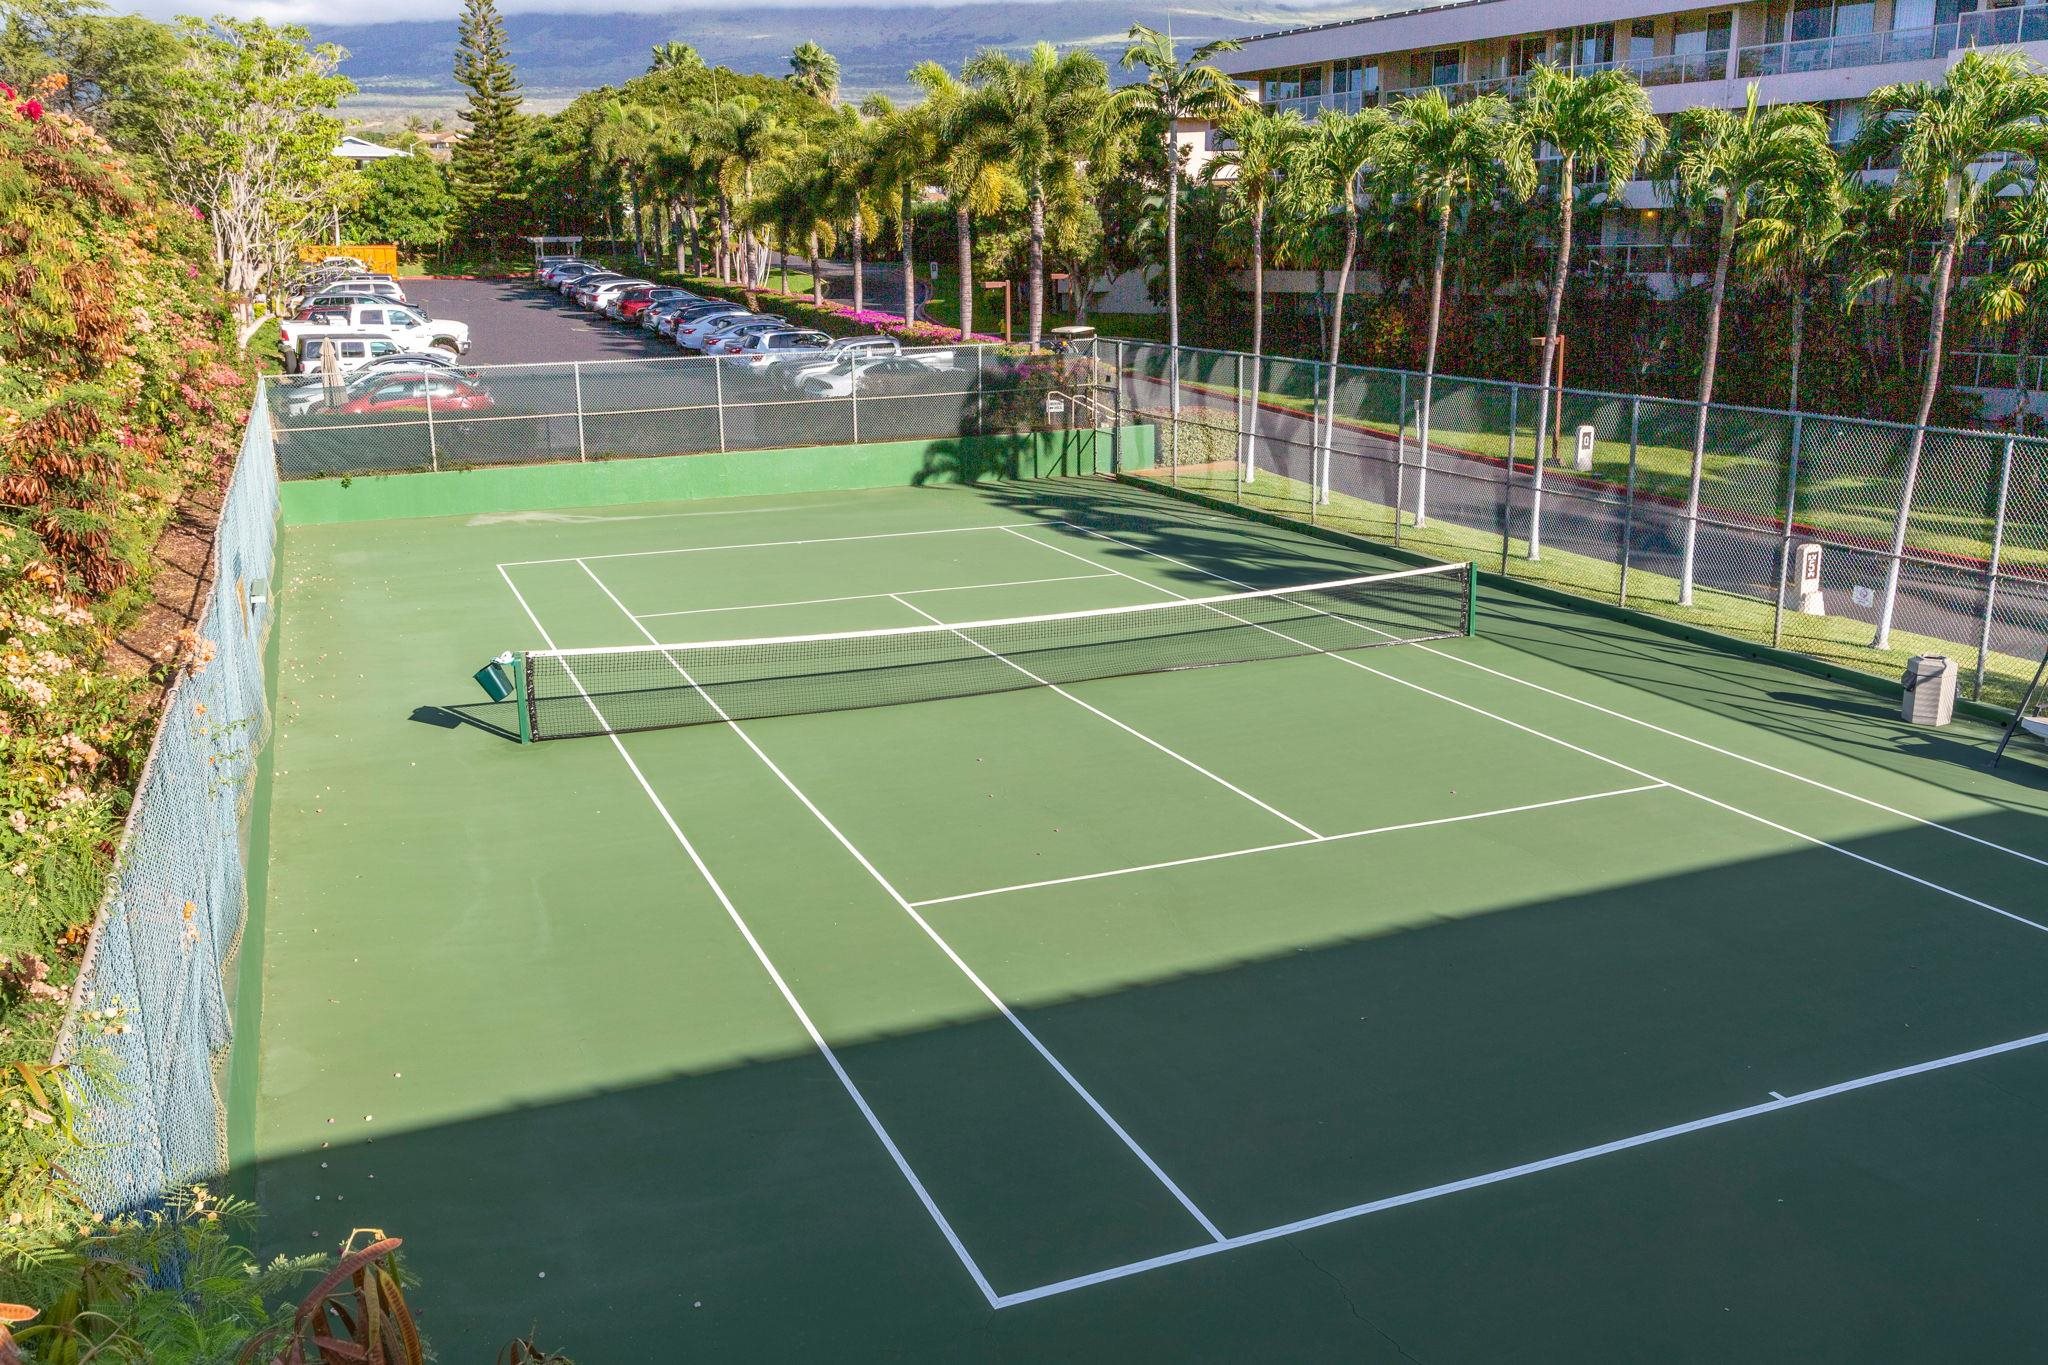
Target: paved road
[513,322]
[1467,492]
[881,281]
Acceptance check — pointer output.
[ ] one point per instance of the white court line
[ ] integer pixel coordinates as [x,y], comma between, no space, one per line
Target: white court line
[1801,835]
[767,964]
[769,544]
[1508,1173]
[1645,724]
[1291,843]
[993,999]
[1132,731]
[865,596]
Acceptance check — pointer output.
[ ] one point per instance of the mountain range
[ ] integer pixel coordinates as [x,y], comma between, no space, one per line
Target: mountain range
[404,67]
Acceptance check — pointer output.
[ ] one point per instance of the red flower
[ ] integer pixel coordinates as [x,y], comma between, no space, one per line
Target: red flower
[31,109]
[6,91]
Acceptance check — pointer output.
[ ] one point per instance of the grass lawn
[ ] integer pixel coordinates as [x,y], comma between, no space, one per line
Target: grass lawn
[1843,641]
[1952,518]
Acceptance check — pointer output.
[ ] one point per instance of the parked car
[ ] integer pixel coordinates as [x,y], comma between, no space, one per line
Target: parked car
[617,298]
[352,351]
[375,285]
[601,297]
[552,276]
[414,329]
[566,276]
[306,392]
[796,369]
[543,264]
[692,334]
[768,350]
[673,322]
[650,317]
[728,340]
[409,392]
[887,376]
[585,288]
[628,306]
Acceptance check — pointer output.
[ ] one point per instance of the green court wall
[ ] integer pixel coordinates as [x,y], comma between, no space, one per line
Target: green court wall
[805,469]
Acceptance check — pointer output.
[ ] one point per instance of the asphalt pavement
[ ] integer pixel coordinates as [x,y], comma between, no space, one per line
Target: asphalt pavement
[517,322]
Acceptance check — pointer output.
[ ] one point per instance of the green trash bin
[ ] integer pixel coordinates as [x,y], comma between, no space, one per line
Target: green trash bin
[496,679]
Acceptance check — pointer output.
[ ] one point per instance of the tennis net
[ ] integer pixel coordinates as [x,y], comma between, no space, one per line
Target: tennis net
[572,693]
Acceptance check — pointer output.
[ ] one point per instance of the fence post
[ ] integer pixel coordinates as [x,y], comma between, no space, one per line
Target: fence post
[718,399]
[1991,569]
[1535,551]
[1628,506]
[1116,413]
[853,397]
[1507,484]
[1315,441]
[1173,378]
[1401,453]
[433,446]
[1791,514]
[1244,445]
[576,372]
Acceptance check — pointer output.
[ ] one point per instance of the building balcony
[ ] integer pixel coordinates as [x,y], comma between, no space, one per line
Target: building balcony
[2020,24]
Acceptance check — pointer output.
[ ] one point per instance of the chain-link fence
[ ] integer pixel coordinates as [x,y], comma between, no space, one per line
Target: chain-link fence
[1784,537]
[151,996]
[412,420]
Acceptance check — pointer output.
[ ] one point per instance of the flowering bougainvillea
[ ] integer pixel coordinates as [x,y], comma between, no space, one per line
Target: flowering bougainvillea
[118,394]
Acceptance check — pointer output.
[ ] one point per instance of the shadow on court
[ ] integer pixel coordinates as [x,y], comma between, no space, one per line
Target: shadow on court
[747,1212]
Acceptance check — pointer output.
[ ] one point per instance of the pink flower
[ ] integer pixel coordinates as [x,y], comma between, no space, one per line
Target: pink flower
[32,110]
[6,91]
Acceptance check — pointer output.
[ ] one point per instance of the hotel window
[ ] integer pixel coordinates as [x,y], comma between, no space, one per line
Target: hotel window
[1695,35]
[1592,45]
[1526,54]
[1444,66]
[1355,75]
[1642,39]
[1812,19]
[1908,15]
[1295,84]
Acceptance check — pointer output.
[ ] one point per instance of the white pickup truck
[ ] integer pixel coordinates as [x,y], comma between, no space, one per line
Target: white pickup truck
[414,330]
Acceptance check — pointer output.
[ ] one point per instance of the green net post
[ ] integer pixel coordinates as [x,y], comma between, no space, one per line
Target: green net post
[1471,599]
[521,691]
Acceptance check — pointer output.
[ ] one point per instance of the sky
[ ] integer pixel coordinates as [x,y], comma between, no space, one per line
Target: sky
[380,11]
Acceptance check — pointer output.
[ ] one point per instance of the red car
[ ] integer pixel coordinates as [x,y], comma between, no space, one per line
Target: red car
[407,393]
[631,303]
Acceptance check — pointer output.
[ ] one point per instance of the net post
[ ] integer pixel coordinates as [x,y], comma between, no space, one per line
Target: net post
[522,693]
[1471,599]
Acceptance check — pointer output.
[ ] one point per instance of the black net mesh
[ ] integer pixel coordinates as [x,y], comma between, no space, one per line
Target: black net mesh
[573,693]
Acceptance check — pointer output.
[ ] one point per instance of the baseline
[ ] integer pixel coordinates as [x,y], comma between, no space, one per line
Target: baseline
[1773,1105]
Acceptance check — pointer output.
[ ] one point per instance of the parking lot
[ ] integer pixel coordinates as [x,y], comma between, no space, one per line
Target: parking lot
[514,322]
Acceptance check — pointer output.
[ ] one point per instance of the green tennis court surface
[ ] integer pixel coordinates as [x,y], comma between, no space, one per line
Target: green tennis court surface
[1566,990]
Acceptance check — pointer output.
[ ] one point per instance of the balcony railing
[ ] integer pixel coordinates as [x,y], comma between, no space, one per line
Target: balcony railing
[2019,24]
[1994,370]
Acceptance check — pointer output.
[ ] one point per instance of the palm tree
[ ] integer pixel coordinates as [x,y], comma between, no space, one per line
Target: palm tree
[1726,166]
[743,137]
[1440,156]
[1601,121]
[1259,144]
[2017,292]
[846,186]
[1988,107]
[814,70]
[975,184]
[1329,165]
[1792,237]
[905,147]
[1034,112]
[1173,90]
[674,57]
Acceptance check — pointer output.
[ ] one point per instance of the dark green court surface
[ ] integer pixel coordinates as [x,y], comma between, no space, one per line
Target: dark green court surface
[1567,992]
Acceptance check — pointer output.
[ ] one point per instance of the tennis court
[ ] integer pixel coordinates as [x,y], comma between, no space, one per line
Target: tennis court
[1378,990]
